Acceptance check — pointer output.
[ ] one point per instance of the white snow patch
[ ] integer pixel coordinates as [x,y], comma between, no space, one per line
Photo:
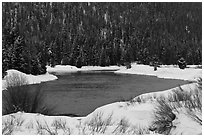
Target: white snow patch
[71,69]
[163,72]
[184,125]
[99,68]
[136,114]
[62,69]
[30,78]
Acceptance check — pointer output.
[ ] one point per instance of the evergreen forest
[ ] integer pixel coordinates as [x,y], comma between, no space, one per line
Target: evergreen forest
[99,34]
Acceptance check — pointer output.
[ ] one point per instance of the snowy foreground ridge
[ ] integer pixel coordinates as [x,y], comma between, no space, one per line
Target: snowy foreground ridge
[131,117]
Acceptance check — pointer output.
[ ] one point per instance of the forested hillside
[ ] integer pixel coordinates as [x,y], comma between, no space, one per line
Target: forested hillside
[40,34]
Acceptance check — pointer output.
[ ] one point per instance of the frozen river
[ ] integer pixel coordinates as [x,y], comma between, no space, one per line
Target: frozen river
[81,93]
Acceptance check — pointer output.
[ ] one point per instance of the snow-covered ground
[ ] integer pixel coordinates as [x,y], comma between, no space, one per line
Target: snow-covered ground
[130,116]
[165,71]
[169,72]
[69,68]
[31,79]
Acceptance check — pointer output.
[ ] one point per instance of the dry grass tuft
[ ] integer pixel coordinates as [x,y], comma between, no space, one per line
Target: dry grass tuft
[10,124]
[59,124]
[163,117]
[122,127]
[98,124]
[16,79]
[166,108]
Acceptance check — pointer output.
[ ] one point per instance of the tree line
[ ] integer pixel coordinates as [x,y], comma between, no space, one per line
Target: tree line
[91,33]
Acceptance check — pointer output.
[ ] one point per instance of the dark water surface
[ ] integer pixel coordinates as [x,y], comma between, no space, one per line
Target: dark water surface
[81,93]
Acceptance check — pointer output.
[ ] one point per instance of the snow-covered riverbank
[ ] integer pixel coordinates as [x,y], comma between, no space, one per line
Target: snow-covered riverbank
[167,72]
[130,117]
[69,69]
[31,79]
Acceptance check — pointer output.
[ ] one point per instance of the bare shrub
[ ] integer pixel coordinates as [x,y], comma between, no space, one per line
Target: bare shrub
[97,124]
[44,129]
[163,117]
[60,124]
[137,99]
[137,130]
[194,105]
[8,127]
[194,116]
[191,101]
[122,127]
[199,81]
[82,128]
[10,124]
[125,128]
[180,95]
[16,79]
